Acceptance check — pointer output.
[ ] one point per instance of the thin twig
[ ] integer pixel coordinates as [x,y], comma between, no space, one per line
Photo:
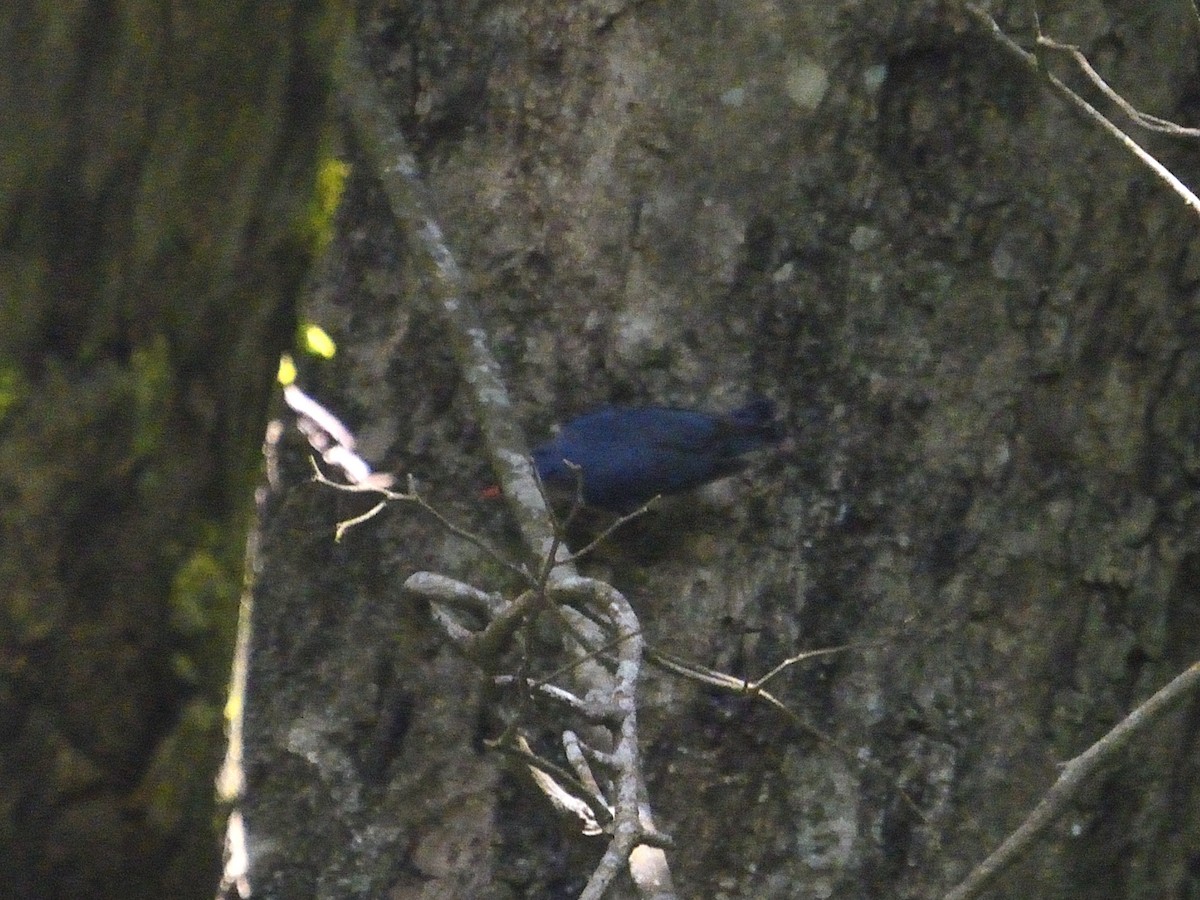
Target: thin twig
[519,749]
[1146,120]
[575,663]
[755,690]
[1030,61]
[619,523]
[806,656]
[1074,775]
[552,692]
[413,496]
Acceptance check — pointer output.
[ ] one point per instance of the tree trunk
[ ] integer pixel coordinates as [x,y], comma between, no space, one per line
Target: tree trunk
[156,193]
[977,313]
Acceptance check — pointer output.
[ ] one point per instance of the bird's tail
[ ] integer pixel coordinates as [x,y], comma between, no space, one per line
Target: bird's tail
[755,422]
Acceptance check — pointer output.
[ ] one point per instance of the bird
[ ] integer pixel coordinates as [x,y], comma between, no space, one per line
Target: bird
[627,455]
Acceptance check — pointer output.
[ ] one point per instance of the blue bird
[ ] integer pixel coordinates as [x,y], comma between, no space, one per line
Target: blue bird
[629,454]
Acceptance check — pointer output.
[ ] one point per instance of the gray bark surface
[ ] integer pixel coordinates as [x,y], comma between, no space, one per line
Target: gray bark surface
[978,316]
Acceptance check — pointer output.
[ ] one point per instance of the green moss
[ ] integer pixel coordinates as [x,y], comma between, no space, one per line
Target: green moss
[167,794]
[11,388]
[202,588]
[151,382]
[332,174]
[161,215]
[31,616]
[22,291]
[202,610]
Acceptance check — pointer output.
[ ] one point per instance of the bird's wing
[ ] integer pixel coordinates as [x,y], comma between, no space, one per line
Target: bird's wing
[677,430]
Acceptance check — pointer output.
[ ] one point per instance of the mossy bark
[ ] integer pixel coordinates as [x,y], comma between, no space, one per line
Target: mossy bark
[157,193]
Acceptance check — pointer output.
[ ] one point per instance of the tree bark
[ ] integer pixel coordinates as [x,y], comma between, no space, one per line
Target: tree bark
[157,197]
[978,314]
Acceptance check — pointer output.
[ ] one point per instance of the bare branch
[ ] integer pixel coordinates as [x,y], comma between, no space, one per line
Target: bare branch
[1146,120]
[598,651]
[755,690]
[557,579]
[619,523]
[632,824]
[804,657]
[1074,775]
[345,525]
[396,169]
[413,496]
[553,693]
[1030,61]
[328,436]
[588,806]
[577,757]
